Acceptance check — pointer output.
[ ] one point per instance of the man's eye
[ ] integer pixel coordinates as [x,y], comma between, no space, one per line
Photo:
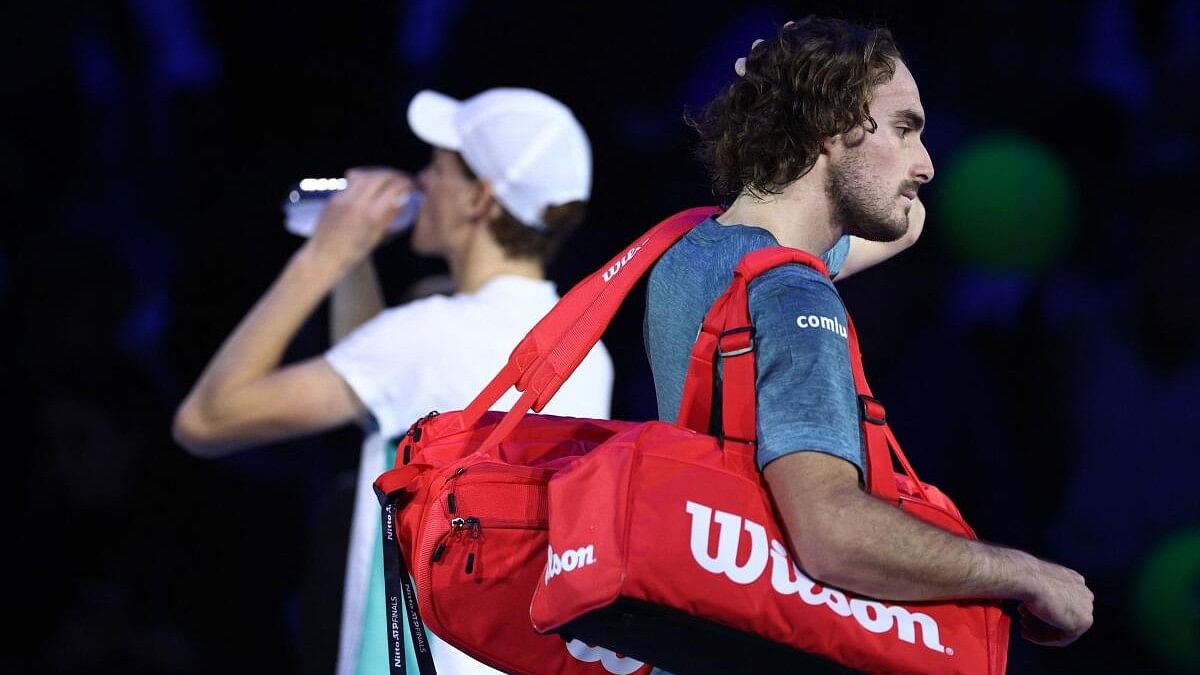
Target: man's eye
[904,131]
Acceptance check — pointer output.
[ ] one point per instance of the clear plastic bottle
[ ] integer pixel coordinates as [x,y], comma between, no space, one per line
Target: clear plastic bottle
[305,200]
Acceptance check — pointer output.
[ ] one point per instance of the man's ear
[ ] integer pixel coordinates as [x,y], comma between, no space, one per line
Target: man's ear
[829,142]
[853,138]
[484,206]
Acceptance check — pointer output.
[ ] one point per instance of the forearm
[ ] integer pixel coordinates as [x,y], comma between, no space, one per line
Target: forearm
[873,548]
[356,299]
[256,346]
[850,539]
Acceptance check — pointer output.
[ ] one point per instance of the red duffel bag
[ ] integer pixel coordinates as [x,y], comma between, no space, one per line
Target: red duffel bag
[664,542]
[465,510]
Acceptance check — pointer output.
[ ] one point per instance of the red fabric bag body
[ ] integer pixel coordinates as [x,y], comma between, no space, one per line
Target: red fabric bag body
[472,531]
[662,542]
[466,513]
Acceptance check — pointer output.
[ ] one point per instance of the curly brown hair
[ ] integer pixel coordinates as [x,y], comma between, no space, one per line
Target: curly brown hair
[813,80]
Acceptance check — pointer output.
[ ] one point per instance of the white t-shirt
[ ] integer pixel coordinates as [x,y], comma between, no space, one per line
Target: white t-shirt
[438,353]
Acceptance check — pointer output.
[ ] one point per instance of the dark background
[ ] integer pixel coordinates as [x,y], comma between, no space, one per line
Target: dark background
[146,146]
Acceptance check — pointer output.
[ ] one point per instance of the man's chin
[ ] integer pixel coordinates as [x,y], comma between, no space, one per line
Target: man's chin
[883,232]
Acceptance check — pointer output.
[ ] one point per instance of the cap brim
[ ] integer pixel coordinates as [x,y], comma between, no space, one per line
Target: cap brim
[431,117]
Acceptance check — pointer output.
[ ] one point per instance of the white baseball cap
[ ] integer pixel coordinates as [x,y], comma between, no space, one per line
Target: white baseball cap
[526,144]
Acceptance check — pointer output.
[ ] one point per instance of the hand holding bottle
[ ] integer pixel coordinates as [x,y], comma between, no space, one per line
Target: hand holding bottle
[357,218]
[306,201]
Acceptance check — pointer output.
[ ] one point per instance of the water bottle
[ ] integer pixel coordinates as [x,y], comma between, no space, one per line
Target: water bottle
[305,200]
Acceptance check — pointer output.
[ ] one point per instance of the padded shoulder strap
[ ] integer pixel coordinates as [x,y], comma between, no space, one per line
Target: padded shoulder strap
[727,334]
[552,350]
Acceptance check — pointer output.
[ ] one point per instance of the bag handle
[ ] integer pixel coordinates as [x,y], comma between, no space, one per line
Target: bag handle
[727,333]
[555,347]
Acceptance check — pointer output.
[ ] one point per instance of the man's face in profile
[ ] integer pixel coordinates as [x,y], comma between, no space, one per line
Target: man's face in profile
[874,177]
[448,192]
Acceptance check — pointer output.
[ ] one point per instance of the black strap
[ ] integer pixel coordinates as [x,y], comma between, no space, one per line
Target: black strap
[397,585]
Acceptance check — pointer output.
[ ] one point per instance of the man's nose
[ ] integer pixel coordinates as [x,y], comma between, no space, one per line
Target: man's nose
[922,171]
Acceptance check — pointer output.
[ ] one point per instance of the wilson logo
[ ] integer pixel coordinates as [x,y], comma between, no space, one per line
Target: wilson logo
[618,665]
[616,267]
[571,560]
[787,579]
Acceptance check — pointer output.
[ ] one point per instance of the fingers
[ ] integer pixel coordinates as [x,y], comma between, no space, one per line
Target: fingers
[916,213]
[1040,632]
[370,182]
[356,219]
[1062,612]
[385,202]
[739,66]
[377,191]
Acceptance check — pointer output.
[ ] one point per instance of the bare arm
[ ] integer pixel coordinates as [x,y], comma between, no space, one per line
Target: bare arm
[243,397]
[864,254]
[849,539]
[356,300]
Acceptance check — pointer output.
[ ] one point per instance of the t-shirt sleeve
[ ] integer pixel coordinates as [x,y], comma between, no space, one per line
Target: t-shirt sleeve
[835,257]
[381,352]
[805,386]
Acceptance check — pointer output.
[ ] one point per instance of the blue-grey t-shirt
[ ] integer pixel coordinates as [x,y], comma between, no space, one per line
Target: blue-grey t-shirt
[805,386]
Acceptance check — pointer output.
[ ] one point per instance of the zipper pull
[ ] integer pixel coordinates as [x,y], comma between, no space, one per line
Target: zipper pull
[457,472]
[416,432]
[472,526]
[451,503]
[457,527]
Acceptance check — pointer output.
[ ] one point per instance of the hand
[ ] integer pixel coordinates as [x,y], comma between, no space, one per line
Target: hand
[1060,611]
[356,220]
[916,214]
[739,66]
[916,222]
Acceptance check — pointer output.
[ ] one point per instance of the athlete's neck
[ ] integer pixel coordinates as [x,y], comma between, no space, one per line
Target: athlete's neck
[800,216]
[483,260]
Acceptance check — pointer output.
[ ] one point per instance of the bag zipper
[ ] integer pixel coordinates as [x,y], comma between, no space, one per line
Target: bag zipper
[413,435]
[472,524]
[508,471]
[469,530]
[472,528]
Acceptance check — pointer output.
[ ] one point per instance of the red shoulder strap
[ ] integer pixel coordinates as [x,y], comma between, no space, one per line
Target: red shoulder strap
[727,333]
[552,350]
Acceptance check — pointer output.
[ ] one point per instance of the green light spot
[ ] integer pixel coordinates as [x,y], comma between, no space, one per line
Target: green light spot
[1166,599]
[1005,202]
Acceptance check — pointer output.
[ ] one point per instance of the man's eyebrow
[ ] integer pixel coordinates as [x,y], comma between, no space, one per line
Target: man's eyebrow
[911,117]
